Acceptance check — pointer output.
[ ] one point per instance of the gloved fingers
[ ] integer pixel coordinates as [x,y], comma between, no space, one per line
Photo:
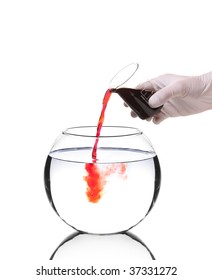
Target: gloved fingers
[157,119]
[177,89]
[148,85]
[207,82]
[133,114]
[160,82]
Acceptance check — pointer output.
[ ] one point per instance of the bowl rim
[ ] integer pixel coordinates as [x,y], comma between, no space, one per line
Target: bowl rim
[130,131]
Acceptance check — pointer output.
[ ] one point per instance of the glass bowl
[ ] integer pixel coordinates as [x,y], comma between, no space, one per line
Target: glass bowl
[111,194]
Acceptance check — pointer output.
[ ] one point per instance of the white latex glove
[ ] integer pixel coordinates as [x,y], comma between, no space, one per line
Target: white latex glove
[179,95]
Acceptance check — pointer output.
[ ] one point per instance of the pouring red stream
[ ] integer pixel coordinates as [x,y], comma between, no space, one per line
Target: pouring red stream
[100,122]
[96,178]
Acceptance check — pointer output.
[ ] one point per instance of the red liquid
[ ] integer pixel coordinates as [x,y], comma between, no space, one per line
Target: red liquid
[96,178]
[101,120]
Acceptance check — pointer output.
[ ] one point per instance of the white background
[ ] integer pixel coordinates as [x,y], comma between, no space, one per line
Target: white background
[56,59]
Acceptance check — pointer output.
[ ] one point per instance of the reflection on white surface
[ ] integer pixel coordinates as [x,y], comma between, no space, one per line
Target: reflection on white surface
[80,248]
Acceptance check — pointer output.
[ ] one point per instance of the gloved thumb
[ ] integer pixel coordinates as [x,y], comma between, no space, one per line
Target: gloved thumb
[163,95]
[177,89]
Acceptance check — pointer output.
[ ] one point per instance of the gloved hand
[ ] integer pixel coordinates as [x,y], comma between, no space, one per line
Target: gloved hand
[179,95]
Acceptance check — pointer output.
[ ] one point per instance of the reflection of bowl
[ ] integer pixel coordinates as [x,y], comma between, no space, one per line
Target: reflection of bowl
[127,174]
[115,249]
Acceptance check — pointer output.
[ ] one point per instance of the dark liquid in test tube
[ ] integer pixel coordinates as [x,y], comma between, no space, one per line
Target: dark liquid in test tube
[137,100]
